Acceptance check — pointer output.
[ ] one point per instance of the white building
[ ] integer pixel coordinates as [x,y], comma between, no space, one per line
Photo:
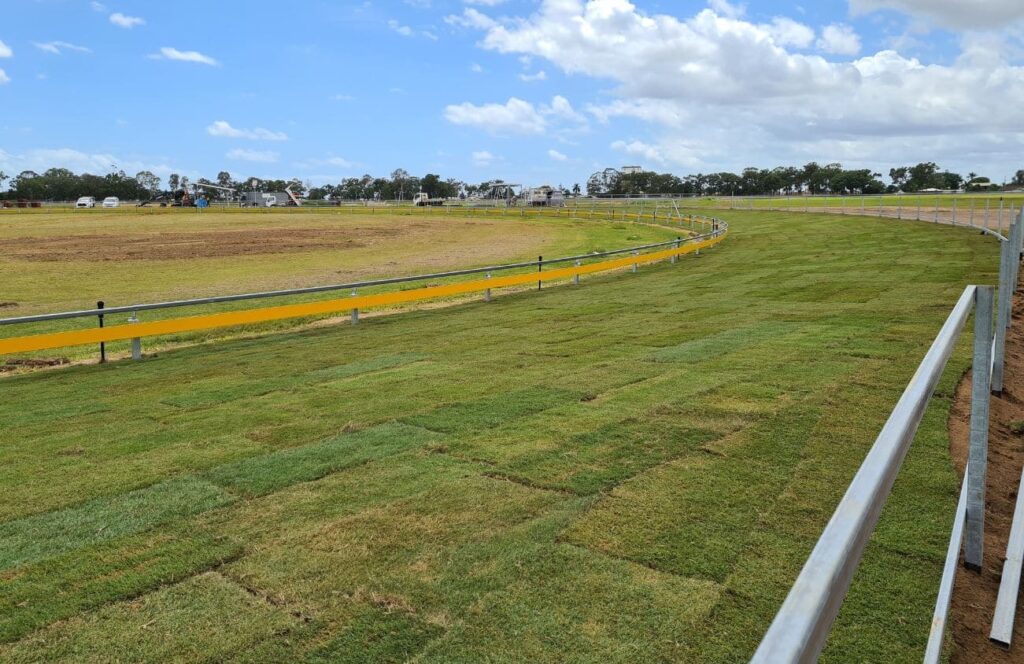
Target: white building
[630,170]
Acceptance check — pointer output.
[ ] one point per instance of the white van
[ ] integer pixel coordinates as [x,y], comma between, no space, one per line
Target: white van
[111,202]
[85,202]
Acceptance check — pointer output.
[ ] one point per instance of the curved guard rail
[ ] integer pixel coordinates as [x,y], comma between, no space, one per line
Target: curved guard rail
[664,250]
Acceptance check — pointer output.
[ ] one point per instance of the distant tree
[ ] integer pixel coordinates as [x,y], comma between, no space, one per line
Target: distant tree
[173,181]
[1018,178]
[576,189]
[224,179]
[148,182]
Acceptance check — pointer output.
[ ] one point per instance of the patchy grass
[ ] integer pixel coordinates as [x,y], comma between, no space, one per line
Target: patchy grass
[629,470]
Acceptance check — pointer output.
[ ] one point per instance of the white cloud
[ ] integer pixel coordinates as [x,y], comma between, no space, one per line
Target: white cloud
[429,35]
[787,32]
[403,30]
[223,129]
[485,3]
[39,160]
[168,53]
[471,18]
[839,39]
[98,6]
[476,68]
[483,158]
[260,156]
[5,50]
[956,14]
[123,21]
[727,9]
[58,47]
[4,78]
[516,116]
[529,78]
[709,80]
[561,108]
[556,155]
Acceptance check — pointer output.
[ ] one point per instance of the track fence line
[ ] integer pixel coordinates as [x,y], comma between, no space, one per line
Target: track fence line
[705,232]
[802,625]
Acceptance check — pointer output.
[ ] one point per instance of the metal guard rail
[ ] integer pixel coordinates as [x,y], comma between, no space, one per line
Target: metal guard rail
[802,625]
[137,330]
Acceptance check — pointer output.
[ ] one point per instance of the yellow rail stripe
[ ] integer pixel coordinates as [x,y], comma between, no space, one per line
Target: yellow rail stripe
[228,319]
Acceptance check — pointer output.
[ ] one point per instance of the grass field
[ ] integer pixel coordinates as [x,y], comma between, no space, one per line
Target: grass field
[629,470]
[70,260]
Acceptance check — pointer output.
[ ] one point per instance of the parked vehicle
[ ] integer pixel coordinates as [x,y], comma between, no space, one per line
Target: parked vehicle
[85,202]
[111,202]
[423,199]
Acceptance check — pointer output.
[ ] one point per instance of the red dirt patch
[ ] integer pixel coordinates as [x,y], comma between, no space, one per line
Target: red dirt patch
[974,593]
[184,245]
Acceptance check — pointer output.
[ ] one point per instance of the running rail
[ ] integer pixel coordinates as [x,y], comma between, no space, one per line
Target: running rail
[136,330]
[802,625]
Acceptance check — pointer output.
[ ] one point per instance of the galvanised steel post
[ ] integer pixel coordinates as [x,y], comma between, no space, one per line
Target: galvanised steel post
[635,253]
[136,341]
[103,346]
[676,246]
[576,277]
[355,312]
[487,293]
[977,455]
[1002,314]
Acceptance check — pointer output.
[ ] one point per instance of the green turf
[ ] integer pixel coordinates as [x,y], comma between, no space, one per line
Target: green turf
[633,469]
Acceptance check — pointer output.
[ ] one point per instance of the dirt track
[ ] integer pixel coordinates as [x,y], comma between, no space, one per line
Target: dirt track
[198,244]
[974,595]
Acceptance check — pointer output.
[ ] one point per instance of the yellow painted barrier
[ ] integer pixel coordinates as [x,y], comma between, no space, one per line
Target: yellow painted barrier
[228,319]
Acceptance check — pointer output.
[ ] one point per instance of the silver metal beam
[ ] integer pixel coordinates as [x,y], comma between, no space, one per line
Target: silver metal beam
[801,626]
[933,652]
[1009,585]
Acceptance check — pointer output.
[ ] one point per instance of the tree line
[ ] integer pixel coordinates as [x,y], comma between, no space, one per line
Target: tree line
[812,178]
[61,184]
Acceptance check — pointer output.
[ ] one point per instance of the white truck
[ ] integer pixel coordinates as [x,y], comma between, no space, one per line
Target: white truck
[422,199]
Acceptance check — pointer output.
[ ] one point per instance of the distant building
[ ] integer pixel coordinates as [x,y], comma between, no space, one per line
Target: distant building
[631,170]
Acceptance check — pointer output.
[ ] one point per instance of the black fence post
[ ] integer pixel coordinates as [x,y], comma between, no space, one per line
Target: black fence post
[103,346]
[540,266]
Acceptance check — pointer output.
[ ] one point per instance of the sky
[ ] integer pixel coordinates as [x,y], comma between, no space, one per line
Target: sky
[530,91]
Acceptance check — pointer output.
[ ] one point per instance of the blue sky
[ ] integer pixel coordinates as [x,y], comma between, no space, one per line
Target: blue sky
[530,91]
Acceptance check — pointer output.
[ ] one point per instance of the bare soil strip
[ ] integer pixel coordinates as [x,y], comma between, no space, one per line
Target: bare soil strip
[974,596]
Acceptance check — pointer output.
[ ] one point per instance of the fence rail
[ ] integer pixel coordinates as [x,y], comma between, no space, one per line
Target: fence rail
[714,231]
[801,627]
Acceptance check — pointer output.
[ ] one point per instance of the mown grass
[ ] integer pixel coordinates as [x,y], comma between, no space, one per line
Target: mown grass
[629,470]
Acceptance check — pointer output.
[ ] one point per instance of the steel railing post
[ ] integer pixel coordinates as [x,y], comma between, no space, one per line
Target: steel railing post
[576,277]
[977,456]
[136,341]
[487,293]
[355,311]
[1002,314]
[103,346]
[635,253]
[675,257]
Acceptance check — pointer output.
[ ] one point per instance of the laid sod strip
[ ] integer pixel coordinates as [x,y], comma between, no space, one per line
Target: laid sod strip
[263,474]
[46,535]
[216,392]
[723,342]
[95,575]
[491,411]
[204,619]
[380,635]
